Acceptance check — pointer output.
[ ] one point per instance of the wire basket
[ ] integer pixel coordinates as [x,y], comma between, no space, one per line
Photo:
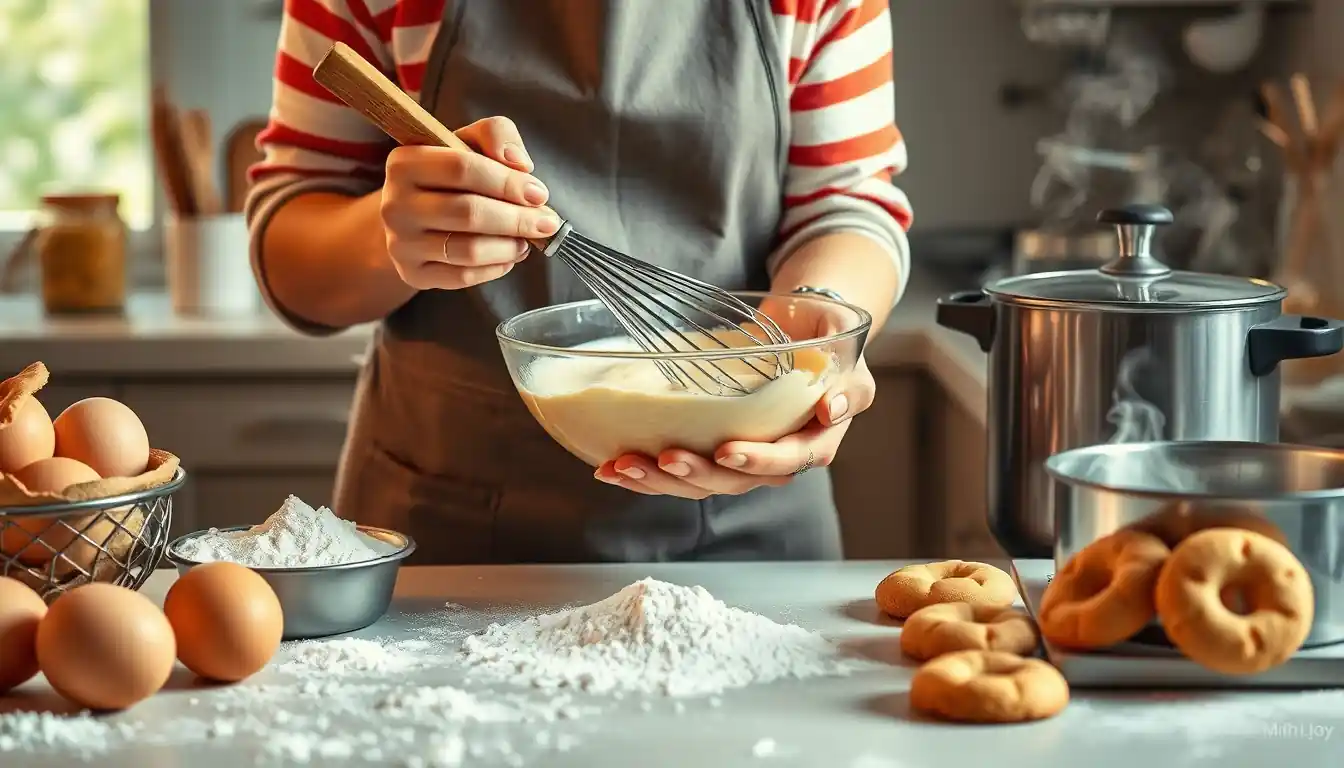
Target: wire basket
[54,548]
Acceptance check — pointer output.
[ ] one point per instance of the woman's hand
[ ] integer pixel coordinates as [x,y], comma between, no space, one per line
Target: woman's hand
[738,467]
[457,219]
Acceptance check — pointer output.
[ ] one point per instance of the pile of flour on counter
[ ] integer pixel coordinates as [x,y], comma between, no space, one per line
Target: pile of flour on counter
[651,637]
[295,536]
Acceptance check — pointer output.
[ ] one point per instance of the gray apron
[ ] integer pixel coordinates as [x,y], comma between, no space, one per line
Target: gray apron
[661,129]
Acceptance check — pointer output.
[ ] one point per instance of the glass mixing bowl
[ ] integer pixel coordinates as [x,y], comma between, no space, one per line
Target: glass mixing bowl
[600,396]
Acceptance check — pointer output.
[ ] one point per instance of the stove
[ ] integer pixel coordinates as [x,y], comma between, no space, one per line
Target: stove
[1150,665]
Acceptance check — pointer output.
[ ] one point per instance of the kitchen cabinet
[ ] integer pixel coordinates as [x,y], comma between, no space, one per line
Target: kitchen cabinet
[875,473]
[910,476]
[955,492]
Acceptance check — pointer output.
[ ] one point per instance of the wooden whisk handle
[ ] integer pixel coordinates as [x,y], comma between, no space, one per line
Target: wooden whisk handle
[366,90]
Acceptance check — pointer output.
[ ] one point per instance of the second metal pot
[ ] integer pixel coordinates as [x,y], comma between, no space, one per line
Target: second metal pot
[1291,493]
[1130,352]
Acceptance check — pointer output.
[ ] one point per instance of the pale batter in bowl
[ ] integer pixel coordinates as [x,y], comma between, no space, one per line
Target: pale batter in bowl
[600,396]
[601,408]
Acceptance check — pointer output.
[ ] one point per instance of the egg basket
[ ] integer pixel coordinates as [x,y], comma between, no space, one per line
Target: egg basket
[119,539]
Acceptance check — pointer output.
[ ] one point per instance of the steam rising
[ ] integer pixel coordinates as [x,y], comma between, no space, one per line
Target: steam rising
[1138,421]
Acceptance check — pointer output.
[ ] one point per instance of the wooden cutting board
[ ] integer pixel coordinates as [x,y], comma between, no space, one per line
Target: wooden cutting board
[240,152]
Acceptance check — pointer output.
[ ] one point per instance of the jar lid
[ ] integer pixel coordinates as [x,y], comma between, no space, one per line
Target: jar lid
[82,200]
[1136,281]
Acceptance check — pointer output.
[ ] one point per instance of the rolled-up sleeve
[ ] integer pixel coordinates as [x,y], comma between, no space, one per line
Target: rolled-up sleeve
[844,148]
[312,141]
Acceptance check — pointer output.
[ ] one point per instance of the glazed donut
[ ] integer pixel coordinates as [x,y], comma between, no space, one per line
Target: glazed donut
[988,687]
[943,628]
[1235,601]
[1178,521]
[1104,595]
[908,589]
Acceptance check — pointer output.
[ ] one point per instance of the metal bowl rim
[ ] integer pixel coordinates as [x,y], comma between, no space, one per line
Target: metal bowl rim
[864,325]
[97,505]
[1237,446]
[401,554]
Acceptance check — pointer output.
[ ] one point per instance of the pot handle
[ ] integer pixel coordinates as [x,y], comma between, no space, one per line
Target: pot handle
[1292,337]
[968,312]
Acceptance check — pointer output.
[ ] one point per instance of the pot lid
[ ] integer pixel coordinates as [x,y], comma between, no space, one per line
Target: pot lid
[1136,280]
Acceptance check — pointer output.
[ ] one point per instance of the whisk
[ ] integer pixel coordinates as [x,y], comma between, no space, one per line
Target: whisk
[661,310]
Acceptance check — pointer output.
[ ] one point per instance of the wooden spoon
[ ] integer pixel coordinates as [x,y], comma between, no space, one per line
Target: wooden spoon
[174,168]
[200,155]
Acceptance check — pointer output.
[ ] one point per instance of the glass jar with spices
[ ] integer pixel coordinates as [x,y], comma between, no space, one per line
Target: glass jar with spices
[80,243]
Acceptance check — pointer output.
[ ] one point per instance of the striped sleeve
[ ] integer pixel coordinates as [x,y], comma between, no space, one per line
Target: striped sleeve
[312,141]
[844,147]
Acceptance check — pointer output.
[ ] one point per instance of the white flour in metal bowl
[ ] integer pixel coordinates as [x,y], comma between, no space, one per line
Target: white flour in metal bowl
[651,637]
[294,536]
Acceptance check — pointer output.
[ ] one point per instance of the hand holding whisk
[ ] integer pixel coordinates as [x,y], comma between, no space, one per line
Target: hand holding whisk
[661,310]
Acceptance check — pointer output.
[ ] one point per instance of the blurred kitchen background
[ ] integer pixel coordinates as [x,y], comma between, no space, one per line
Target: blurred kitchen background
[1023,118]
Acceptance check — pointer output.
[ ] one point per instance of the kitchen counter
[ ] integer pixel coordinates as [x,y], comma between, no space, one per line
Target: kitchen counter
[151,341]
[859,721]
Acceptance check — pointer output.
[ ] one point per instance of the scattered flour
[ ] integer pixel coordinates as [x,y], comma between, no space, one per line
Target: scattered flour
[651,637]
[351,655]
[764,748]
[80,734]
[294,536]
[1214,725]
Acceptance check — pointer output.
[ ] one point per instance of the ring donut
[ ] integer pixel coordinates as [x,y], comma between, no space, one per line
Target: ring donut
[908,589]
[1235,601]
[988,687]
[1104,595]
[1178,521]
[943,628]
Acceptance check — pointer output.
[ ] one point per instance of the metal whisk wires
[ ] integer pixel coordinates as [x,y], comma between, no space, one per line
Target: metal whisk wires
[664,311]
[660,309]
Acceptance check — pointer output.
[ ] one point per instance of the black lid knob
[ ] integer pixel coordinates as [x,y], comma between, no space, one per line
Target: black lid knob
[1138,214]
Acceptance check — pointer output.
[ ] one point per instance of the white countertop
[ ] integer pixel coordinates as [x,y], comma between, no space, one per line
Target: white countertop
[150,340]
[859,721]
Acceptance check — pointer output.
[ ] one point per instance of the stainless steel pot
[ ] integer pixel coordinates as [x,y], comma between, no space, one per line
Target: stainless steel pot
[1130,352]
[1291,493]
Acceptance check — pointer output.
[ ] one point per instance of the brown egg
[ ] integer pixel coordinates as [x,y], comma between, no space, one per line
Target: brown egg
[104,434]
[21,610]
[51,475]
[105,647]
[27,438]
[227,620]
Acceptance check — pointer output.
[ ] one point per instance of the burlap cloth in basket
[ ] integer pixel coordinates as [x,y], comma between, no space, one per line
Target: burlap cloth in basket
[78,560]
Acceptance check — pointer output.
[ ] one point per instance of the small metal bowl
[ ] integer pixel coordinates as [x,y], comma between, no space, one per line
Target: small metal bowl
[329,599]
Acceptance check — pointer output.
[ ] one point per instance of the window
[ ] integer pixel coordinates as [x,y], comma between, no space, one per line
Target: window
[74,82]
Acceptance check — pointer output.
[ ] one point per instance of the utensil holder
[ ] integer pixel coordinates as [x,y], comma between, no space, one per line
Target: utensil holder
[1311,262]
[209,271]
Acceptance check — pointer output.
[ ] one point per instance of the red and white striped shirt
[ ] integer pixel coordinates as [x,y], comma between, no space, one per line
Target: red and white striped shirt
[844,146]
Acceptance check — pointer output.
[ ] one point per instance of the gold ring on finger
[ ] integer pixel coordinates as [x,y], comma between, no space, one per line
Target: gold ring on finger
[446,238]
